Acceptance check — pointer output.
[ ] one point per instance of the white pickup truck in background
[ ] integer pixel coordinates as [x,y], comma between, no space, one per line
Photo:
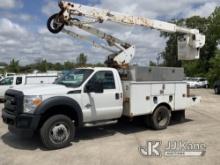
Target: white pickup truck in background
[96,96]
[197,82]
[1,77]
[10,82]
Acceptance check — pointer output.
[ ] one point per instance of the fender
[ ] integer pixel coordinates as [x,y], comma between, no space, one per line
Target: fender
[58,101]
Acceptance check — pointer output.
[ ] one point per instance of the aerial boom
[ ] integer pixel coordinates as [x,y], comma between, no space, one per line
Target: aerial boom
[189,44]
[102,15]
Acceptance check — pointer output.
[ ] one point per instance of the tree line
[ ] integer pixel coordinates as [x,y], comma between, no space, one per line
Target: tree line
[42,65]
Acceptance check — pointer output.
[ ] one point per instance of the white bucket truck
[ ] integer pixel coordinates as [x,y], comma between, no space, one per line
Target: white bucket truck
[96,96]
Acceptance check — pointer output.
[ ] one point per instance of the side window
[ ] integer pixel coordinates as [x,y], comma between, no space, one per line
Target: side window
[18,80]
[7,81]
[106,77]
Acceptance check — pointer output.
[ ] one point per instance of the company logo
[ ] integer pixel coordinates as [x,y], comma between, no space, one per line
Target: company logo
[185,148]
[151,148]
[172,148]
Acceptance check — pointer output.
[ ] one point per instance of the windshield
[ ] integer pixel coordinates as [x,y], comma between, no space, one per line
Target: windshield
[7,81]
[74,78]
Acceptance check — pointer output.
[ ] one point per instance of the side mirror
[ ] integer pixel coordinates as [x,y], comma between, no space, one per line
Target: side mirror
[96,87]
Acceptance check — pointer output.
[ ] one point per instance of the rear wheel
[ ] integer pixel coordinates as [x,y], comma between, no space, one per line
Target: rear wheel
[57,132]
[160,118]
[217,91]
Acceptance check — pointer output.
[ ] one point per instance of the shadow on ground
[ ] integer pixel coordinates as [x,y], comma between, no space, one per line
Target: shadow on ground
[22,143]
[123,126]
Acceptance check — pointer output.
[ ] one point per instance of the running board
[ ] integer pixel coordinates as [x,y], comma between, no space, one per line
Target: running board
[100,123]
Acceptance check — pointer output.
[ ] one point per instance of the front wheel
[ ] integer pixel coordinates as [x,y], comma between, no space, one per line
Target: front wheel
[57,132]
[54,24]
[160,118]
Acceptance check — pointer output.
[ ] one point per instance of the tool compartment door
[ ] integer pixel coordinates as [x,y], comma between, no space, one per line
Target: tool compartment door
[140,99]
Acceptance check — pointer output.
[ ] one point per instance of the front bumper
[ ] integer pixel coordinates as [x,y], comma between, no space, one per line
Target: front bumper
[21,124]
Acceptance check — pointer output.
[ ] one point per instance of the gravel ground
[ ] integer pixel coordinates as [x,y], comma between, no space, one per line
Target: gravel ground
[118,144]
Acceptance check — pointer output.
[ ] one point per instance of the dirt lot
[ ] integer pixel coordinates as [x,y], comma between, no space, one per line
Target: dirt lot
[119,144]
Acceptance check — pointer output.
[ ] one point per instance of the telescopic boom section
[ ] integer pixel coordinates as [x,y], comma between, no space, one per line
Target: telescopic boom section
[188,46]
[73,9]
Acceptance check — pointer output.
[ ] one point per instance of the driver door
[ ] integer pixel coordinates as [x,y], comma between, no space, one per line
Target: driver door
[102,106]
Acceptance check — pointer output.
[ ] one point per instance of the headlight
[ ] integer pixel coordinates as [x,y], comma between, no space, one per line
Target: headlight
[31,103]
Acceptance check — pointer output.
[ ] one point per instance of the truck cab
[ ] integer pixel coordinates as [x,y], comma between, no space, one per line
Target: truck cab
[84,96]
[98,92]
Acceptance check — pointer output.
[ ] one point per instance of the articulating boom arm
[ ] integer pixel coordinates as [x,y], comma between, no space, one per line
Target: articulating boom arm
[188,46]
[119,58]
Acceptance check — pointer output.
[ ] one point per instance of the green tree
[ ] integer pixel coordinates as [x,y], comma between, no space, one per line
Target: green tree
[151,63]
[214,71]
[3,65]
[57,66]
[69,65]
[42,65]
[169,55]
[13,66]
[81,59]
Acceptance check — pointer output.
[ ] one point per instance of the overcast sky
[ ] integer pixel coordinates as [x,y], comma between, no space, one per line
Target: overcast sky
[24,36]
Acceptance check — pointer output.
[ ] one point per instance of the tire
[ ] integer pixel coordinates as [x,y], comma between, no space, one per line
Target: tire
[160,118]
[57,132]
[147,121]
[53,27]
[217,91]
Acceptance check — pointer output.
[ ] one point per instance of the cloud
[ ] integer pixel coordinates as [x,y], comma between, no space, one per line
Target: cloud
[204,10]
[18,16]
[10,4]
[156,8]
[17,42]
[50,8]
[10,29]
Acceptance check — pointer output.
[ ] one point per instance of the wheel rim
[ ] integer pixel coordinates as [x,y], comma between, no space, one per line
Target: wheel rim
[55,24]
[59,133]
[162,118]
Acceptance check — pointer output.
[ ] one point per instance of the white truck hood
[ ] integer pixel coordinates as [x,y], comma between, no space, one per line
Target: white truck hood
[47,89]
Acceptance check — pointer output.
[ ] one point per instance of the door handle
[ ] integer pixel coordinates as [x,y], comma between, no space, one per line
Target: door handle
[88,106]
[117,96]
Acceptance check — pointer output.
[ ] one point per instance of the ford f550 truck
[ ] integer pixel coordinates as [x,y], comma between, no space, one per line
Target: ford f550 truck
[96,96]
[90,97]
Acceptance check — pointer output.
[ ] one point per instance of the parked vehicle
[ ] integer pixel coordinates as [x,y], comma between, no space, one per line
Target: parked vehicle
[197,82]
[1,77]
[93,96]
[217,87]
[9,74]
[19,80]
